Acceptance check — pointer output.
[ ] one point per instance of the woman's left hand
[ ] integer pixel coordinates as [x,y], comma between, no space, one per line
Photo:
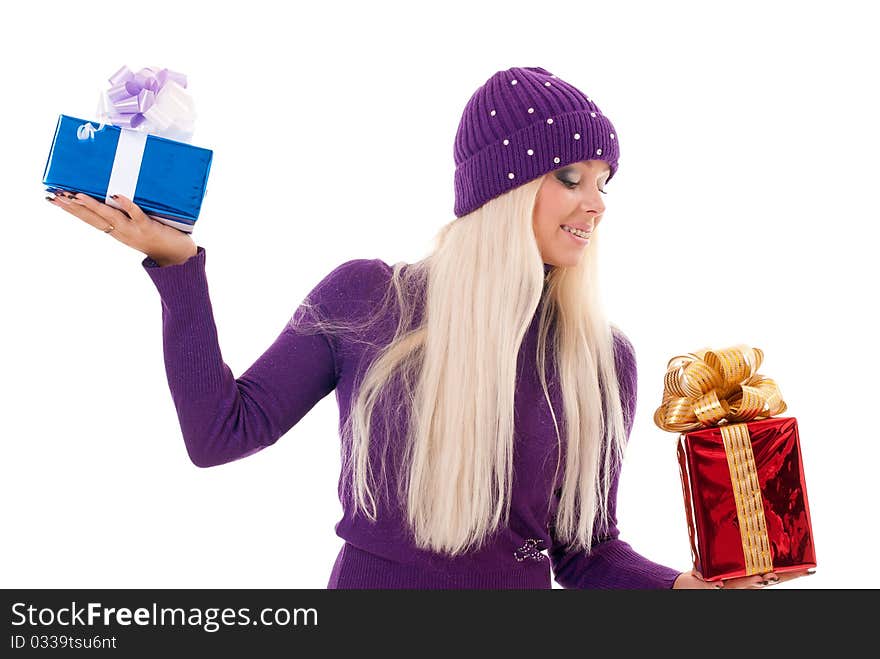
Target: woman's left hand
[694,579]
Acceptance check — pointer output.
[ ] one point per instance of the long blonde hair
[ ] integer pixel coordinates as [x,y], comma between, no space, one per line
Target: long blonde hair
[481,287]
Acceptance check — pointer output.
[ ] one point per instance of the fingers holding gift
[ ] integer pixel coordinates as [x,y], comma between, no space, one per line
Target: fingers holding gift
[753,581]
[111,215]
[65,202]
[764,580]
[794,574]
[130,209]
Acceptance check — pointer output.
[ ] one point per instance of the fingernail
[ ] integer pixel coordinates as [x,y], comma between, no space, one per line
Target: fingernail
[773,580]
[813,571]
[50,198]
[113,196]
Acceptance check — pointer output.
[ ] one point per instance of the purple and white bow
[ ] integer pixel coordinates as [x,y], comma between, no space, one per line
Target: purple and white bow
[153,101]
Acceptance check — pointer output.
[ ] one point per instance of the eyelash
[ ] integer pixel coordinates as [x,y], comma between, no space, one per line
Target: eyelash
[572,186]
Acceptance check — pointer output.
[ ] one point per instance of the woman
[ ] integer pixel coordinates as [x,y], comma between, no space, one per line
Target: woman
[485,401]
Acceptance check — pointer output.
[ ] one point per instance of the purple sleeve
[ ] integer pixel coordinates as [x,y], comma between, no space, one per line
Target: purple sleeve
[224,418]
[613,564]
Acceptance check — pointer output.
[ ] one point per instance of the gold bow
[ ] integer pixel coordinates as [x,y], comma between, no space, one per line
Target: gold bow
[723,388]
[704,388]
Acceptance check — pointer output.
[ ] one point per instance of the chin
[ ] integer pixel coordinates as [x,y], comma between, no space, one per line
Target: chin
[568,262]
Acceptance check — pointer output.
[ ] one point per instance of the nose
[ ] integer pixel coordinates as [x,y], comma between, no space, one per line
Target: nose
[592,202]
[593,209]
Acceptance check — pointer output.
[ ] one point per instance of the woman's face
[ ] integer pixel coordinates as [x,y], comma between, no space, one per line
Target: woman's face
[569,196]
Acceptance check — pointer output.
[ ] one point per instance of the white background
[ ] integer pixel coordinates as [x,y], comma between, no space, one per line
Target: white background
[744,211]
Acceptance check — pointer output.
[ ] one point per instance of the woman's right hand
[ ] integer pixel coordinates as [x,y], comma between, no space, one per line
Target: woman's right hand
[130,226]
[693,579]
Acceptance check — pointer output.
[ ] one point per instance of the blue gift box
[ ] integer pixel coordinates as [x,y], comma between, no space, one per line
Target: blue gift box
[169,185]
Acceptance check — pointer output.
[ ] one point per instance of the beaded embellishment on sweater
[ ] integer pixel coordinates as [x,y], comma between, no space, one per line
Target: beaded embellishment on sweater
[531,549]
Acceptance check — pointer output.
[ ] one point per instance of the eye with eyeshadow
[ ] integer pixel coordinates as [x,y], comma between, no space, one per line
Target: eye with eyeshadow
[571,185]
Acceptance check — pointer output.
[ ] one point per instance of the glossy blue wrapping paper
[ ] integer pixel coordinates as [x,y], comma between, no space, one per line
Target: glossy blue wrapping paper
[171,183]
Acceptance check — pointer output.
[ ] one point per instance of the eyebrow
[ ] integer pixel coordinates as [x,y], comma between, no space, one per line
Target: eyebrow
[607,170]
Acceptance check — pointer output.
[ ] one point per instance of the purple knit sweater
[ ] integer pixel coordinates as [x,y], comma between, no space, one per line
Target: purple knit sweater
[223,418]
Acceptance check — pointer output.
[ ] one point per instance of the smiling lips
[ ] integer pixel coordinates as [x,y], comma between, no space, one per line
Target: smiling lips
[580,233]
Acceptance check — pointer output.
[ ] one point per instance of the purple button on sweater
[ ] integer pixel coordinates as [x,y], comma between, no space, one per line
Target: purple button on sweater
[224,418]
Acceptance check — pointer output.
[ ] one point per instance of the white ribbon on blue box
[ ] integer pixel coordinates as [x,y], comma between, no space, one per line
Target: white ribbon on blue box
[126,164]
[164,177]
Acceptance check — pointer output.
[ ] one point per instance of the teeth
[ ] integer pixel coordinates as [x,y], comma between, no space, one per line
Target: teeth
[576,232]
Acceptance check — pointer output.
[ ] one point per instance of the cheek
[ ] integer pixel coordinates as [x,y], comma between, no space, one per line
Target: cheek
[551,209]
[553,214]
[547,232]
[543,222]
[554,206]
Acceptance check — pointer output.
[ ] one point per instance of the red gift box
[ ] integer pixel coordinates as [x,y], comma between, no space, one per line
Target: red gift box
[741,469]
[746,499]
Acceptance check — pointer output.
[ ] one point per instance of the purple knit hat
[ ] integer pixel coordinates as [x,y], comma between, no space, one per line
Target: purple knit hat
[522,123]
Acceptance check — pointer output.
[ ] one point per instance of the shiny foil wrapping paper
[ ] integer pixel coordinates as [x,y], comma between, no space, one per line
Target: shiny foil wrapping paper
[716,540]
[172,179]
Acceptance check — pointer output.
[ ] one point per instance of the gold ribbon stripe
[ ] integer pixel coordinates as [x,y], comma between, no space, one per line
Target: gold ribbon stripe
[747,492]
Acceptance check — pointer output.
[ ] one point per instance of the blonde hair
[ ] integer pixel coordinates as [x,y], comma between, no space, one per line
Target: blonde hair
[481,287]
